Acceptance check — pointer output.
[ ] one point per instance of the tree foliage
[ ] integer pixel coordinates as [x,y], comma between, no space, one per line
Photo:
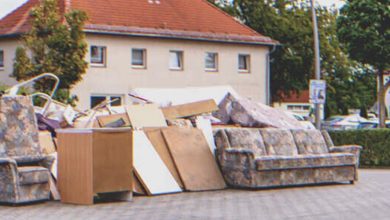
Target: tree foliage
[289,22]
[364,29]
[54,46]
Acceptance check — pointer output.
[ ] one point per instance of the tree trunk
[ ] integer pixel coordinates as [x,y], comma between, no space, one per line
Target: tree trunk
[381,99]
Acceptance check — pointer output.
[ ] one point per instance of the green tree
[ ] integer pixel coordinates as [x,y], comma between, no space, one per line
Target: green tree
[289,22]
[364,28]
[55,46]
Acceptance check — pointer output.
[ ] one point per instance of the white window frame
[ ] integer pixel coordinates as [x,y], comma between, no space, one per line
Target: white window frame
[248,63]
[180,54]
[108,98]
[215,69]
[2,64]
[103,54]
[144,56]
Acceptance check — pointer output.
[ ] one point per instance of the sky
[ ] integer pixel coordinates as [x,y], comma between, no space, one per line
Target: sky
[7,6]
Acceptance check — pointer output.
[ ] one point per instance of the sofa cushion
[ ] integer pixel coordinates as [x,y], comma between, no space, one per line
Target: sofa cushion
[33,175]
[304,161]
[310,141]
[279,142]
[246,138]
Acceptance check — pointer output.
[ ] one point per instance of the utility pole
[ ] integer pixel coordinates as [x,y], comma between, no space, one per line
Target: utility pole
[317,106]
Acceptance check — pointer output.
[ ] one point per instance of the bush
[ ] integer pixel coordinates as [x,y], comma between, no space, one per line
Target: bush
[375,142]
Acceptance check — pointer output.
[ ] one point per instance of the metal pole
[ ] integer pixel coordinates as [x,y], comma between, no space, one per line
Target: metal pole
[317,61]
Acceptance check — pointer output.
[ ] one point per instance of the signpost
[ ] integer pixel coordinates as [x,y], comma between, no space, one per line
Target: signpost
[317,91]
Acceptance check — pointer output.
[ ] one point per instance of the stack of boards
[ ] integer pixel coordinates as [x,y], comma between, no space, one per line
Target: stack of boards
[173,159]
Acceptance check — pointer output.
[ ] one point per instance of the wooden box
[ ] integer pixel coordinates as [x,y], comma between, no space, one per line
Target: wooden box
[92,161]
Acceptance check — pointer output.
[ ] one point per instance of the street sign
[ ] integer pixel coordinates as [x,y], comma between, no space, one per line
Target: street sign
[317,91]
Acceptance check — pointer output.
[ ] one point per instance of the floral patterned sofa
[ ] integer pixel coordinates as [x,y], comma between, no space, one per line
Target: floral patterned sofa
[24,170]
[268,157]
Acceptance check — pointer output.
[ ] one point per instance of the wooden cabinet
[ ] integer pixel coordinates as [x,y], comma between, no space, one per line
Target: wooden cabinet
[92,161]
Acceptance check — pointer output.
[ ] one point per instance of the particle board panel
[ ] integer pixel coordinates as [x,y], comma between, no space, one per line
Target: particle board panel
[156,138]
[147,115]
[109,119]
[189,109]
[46,142]
[193,159]
[151,170]
[75,162]
[112,160]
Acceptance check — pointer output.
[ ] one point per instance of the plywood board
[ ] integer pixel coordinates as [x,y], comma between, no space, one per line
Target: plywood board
[46,142]
[193,159]
[159,144]
[204,125]
[53,189]
[151,170]
[190,109]
[143,116]
[106,120]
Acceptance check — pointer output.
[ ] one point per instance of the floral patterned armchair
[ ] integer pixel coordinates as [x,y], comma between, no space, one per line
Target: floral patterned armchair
[24,170]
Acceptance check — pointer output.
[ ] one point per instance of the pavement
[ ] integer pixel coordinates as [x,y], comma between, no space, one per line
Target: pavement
[368,198]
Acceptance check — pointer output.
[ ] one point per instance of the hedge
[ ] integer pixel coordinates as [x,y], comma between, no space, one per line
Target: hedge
[375,142]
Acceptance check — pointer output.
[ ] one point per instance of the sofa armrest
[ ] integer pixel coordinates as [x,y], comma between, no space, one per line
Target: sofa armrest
[47,162]
[238,158]
[353,149]
[9,180]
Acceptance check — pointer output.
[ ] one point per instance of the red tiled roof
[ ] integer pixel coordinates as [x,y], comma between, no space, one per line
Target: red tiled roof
[302,97]
[188,19]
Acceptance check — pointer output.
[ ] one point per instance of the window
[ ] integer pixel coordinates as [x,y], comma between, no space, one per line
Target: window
[244,63]
[1,59]
[211,61]
[98,55]
[176,60]
[138,58]
[116,100]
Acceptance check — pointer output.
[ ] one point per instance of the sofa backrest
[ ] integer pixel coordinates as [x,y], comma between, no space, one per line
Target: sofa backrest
[246,138]
[19,137]
[310,141]
[279,142]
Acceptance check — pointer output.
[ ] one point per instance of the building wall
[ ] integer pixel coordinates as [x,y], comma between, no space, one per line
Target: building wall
[8,45]
[118,77]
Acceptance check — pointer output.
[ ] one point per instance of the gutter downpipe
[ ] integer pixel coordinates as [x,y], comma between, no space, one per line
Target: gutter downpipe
[268,75]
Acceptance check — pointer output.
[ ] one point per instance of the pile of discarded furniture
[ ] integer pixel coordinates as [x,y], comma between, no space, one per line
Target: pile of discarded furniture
[151,149]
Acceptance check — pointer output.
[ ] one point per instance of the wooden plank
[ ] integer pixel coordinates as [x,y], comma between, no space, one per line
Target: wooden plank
[190,109]
[151,170]
[75,167]
[46,142]
[159,144]
[137,186]
[112,160]
[106,120]
[144,116]
[193,159]
[53,189]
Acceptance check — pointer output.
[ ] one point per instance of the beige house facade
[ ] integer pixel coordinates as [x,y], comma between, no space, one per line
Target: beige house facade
[122,61]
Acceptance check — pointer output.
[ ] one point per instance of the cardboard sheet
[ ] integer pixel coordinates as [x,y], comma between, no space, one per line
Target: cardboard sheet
[190,109]
[144,116]
[151,170]
[156,138]
[193,159]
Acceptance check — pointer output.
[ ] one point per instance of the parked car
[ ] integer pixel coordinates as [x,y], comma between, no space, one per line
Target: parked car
[372,124]
[305,123]
[343,122]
